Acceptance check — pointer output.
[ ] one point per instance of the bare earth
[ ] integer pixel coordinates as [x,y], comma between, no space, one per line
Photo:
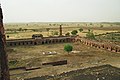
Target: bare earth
[32,56]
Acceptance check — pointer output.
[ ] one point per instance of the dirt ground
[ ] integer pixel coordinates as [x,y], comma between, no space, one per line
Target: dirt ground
[83,57]
[104,72]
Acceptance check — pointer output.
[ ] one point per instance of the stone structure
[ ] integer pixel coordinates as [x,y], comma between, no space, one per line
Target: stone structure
[60,30]
[38,41]
[4,71]
[102,45]
[37,36]
[56,63]
[63,39]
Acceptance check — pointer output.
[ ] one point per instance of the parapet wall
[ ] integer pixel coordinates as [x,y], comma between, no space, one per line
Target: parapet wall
[102,45]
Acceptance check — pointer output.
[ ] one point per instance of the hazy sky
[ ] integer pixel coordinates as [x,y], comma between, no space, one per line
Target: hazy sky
[61,10]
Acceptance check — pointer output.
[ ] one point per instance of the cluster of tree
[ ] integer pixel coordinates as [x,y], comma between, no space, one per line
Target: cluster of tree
[80,29]
[74,32]
[90,34]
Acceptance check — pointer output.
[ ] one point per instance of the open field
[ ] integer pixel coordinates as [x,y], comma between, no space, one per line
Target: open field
[26,30]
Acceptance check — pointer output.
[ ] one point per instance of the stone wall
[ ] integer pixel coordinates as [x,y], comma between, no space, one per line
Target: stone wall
[39,41]
[102,45]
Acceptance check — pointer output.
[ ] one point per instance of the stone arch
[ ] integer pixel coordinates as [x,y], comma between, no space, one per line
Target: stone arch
[15,44]
[116,49]
[71,40]
[60,40]
[27,43]
[31,42]
[57,41]
[103,46]
[98,45]
[63,40]
[107,47]
[11,44]
[111,48]
[95,45]
[53,41]
[42,42]
[35,43]
[19,43]
[87,43]
[68,40]
[46,42]
[23,43]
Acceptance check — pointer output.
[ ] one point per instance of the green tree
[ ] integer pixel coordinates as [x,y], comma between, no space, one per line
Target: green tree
[68,48]
[74,32]
[80,29]
[90,35]
[67,34]
[89,30]
[20,29]
[101,26]
[90,23]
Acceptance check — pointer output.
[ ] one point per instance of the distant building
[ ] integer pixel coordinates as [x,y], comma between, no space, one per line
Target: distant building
[34,36]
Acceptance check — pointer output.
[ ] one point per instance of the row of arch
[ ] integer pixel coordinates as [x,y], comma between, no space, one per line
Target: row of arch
[106,46]
[39,41]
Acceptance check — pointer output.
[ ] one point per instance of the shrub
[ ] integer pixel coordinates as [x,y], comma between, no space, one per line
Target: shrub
[68,48]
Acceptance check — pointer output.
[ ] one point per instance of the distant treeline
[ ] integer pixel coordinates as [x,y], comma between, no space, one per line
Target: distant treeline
[116,23]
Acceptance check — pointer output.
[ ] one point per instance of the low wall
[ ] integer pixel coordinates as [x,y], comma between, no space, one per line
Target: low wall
[57,63]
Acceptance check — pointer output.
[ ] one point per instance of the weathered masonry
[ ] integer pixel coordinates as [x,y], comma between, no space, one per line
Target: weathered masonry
[39,41]
[101,45]
[4,69]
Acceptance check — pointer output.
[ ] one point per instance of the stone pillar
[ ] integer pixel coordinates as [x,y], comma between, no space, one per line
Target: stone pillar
[4,70]
[60,30]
